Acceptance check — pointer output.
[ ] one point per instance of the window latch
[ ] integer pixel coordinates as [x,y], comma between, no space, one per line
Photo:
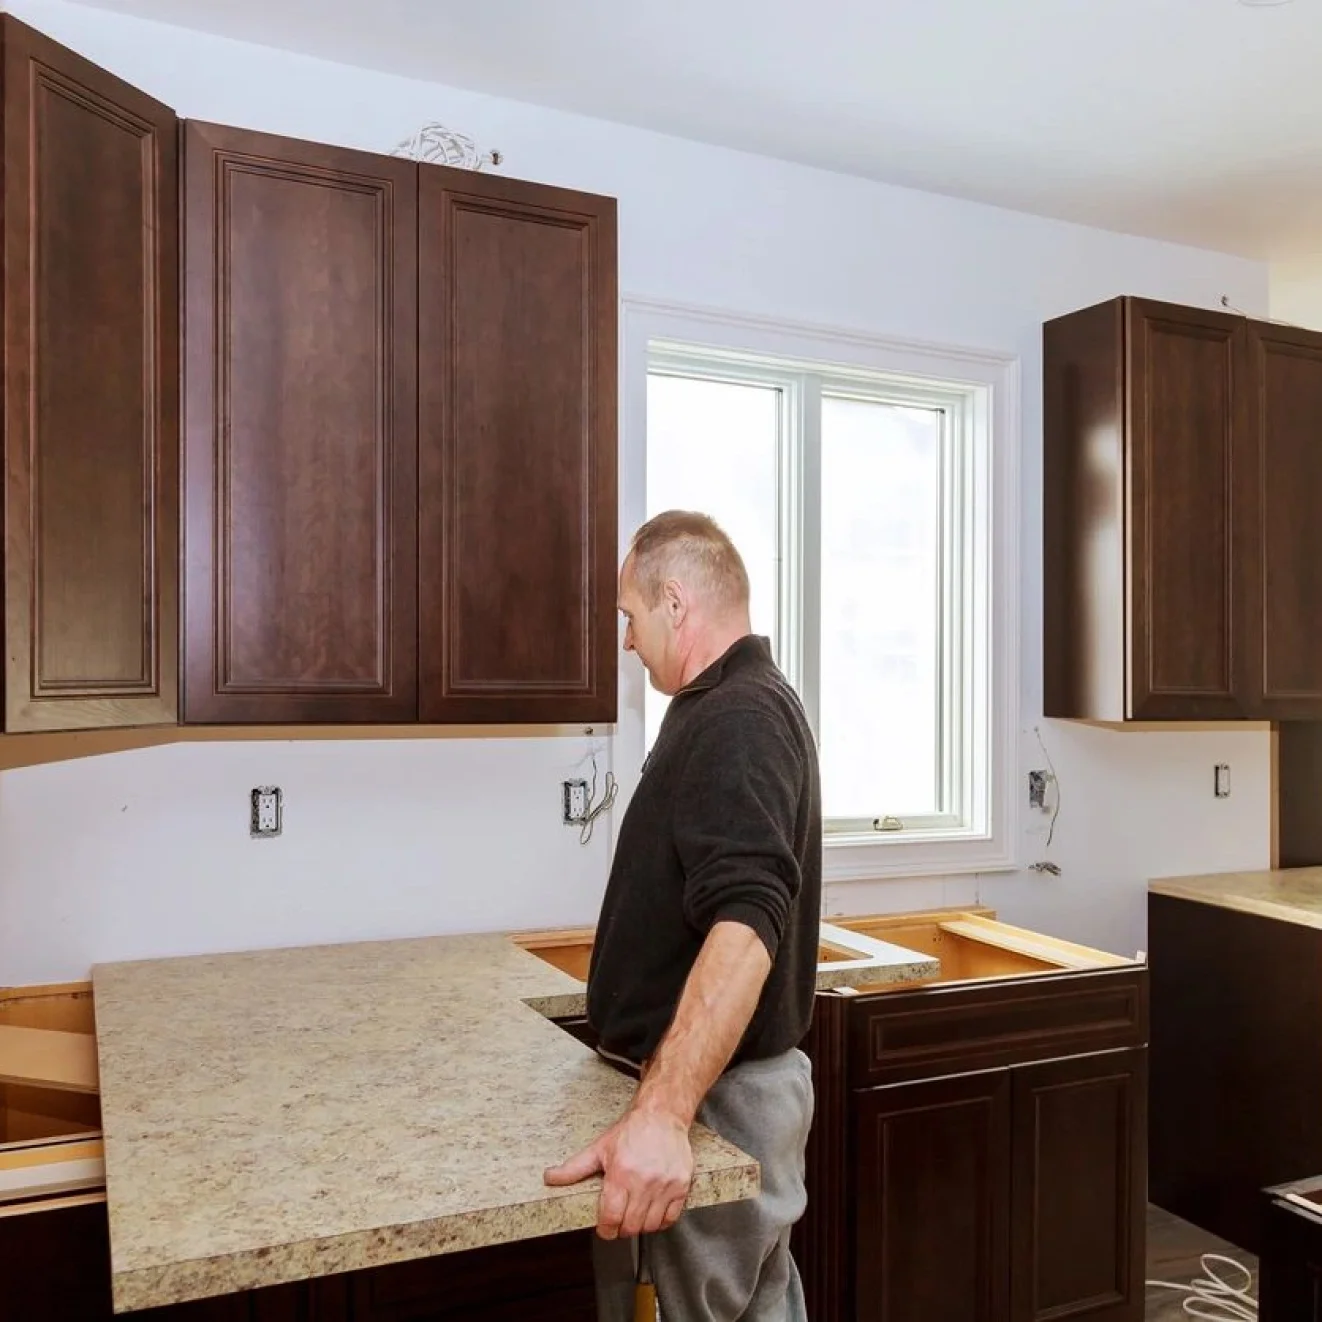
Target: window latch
[887,824]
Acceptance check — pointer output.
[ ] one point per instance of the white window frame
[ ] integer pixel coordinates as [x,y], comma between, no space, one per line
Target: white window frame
[979,393]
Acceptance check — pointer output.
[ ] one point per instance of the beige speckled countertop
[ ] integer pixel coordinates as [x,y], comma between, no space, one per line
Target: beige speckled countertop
[273,1116]
[1293,895]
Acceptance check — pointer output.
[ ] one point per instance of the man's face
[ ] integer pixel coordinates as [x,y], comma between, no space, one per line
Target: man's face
[648,631]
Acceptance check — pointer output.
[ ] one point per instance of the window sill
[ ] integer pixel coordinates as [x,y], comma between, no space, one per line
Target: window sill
[912,854]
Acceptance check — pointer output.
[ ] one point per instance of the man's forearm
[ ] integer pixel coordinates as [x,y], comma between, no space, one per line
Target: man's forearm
[717,1004]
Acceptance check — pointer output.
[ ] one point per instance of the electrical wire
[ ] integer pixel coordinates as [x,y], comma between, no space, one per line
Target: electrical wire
[1213,1296]
[1046,865]
[592,810]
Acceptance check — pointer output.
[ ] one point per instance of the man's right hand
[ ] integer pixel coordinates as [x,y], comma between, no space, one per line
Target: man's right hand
[647,1163]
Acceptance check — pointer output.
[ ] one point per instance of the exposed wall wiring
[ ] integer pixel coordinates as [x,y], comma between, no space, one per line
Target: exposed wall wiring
[1045,864]
[1271,321]
[609,795]
[1214,1296]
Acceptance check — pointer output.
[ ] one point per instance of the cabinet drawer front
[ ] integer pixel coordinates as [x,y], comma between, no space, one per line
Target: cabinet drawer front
[896,1036]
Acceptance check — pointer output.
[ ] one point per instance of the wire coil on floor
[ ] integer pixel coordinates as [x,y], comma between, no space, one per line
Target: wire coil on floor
[1213,1295]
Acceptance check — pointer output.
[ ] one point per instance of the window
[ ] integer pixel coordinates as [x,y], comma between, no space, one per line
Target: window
[862,500]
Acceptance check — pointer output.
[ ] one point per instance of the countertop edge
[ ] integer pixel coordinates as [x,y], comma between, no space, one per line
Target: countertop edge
[285,1264]
[1260,908]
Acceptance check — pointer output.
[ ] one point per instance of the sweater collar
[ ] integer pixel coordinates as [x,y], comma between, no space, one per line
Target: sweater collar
[751,649]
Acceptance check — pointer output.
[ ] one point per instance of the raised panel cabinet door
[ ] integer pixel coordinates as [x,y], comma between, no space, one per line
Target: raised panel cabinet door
[1079,1188]
[1284,621]
[300,388]
[91,431]
[517,465]
[933,1200]
[1187,436]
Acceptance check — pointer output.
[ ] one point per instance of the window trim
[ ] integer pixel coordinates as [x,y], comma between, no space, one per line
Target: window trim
[987,384]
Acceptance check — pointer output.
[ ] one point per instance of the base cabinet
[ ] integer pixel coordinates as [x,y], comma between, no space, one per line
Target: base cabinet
[55,1267]
[979,1146]
[1236,1069]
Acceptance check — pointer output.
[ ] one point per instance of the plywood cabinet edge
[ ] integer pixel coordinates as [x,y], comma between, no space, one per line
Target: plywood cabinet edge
[1083,484]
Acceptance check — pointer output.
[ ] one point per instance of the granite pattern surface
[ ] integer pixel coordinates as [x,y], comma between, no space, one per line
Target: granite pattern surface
[272,1116]
[277,1115]
[1293,895]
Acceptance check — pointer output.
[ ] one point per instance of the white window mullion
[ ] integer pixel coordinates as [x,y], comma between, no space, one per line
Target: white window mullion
[808,587]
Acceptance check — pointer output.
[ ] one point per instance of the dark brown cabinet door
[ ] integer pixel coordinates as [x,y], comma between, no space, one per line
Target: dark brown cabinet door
[300,431]
[1079,1188]
[91,434]
[1187,406]
[517,463]
[1283,608]
[933,1200]
[546,1279]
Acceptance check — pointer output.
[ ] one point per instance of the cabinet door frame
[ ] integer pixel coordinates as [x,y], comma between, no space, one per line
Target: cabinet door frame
[1146,699]
[444,696]
[208,696]
[1129,1069]
[868,1108]
[1257,521]
[33,61]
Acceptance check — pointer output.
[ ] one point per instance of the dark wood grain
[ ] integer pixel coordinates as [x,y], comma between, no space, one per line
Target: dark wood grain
[933,1200]
[517,477]
[301,440]
[1148,461]
[1284,643]
[1079,1188]
[1236,1021]
[1185,374]
[821,1241]
[91,433]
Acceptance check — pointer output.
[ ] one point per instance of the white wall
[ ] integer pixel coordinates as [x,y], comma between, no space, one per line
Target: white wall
[1296,291]
[147,853]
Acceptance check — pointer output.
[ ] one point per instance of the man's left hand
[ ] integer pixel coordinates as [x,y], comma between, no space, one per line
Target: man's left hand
[647,1161]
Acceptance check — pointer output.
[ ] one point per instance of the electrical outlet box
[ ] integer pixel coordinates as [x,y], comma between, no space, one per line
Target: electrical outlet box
[267,805]
[575,802]
[1037,789]
[1221,780]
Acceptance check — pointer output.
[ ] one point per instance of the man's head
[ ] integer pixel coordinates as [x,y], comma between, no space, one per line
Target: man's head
[684,596]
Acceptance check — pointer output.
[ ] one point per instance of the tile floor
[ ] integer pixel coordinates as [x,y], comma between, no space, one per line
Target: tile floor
[1174,1250]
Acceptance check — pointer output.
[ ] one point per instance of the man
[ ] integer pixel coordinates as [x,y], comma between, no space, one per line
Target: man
[704,962]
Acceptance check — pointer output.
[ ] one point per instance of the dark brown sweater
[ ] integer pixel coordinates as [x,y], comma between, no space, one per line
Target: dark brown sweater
[725,825]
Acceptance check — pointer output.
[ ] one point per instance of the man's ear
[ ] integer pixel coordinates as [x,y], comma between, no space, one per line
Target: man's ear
[675,598]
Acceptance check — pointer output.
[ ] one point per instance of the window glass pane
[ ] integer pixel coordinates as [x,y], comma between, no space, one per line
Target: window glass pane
[880,608]
[712,447]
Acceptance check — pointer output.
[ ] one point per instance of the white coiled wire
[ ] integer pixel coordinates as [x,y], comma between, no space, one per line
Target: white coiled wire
[1215,1297]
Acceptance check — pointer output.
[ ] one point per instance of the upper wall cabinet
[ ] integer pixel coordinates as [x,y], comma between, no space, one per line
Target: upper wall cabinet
[300,450]
[400,440]
[1182,475]
[517,468]
[91,441]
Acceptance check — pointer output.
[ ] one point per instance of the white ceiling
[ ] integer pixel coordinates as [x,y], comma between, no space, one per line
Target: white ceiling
[1193,120]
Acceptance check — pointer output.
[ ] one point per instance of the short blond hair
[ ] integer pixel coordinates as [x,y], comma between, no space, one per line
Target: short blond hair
[694,549]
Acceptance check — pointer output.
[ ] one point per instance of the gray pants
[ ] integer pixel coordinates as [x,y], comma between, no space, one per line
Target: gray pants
[730,1263]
